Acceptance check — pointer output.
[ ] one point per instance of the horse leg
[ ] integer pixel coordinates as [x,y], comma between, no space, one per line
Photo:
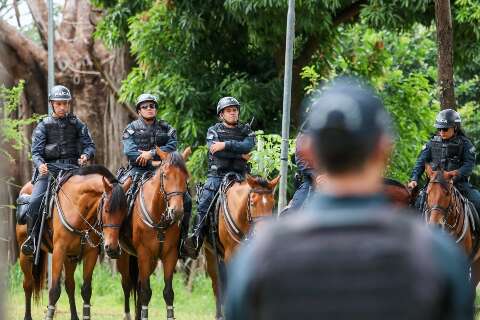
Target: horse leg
[169,263]
[70,267]
[27,269]
[124,269]
[146,265]
[58,260]
[212,272]
[89,261]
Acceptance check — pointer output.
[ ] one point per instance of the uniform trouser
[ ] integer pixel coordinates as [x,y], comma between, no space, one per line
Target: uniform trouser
[471,193]
[39,190]
[210,188]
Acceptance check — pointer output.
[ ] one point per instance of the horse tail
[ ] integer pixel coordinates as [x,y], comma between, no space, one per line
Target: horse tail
[133,270]
[39,273]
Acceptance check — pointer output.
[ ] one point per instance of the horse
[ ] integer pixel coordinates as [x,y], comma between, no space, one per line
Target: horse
[398,194]
[152,232]
[446,207]
[89,208]
[244,204]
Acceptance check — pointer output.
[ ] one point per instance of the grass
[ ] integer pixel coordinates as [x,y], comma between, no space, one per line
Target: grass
[107,298]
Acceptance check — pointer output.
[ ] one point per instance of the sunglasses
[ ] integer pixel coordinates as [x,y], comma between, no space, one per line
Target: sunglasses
[443,129]
[148,106]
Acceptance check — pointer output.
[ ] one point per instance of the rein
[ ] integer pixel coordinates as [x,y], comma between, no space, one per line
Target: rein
[167,216]
[233,229]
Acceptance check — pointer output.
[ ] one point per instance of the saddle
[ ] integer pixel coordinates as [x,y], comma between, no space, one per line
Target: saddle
[220,200]
[23,200]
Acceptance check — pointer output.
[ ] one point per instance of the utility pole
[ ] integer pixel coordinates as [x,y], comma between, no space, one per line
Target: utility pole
[287,100]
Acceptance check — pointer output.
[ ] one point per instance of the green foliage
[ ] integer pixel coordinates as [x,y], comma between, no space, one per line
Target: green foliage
[197,165]
[11,128]
[265,160]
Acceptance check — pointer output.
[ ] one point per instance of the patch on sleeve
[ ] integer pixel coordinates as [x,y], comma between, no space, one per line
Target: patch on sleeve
[472,150]
[210,136]
[127,133]
[424,147]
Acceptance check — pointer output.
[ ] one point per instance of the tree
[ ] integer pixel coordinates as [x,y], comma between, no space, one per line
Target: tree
[82,63]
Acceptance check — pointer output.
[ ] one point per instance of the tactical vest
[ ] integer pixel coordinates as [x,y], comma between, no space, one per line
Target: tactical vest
[147,137]
[447,154]
[61,138]
[362,270]
[233,162]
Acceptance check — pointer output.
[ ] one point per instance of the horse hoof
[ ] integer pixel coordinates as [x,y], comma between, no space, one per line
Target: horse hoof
[127,316]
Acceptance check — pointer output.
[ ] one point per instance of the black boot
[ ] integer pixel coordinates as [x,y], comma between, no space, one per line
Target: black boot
[28,246]
[192,245]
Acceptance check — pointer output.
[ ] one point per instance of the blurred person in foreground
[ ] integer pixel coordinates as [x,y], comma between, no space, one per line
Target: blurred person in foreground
[349,254]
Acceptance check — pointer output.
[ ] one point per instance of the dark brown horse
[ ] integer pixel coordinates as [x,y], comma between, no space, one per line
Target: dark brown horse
[446,207]
[245,203]
[398,194]
[153,232]
[89,209]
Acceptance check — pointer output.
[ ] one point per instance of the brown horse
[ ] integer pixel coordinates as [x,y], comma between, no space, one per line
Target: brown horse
[446,207]
[153,232]
[89,208]
[245,203]
[398,194]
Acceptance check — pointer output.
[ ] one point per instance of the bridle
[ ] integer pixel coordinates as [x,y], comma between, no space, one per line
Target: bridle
[253,219]
[444,210]
[100,215]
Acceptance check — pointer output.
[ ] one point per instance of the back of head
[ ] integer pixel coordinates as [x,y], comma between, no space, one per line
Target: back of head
[346,121]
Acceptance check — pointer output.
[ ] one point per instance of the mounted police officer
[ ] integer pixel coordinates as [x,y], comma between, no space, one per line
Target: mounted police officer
[142,136]
[140,140]
[229,143]
[451,150]
[348,254]
[60,139]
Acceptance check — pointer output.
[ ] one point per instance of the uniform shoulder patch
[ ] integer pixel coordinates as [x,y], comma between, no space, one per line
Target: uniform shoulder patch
[130,131]
[424,146]
[472,150]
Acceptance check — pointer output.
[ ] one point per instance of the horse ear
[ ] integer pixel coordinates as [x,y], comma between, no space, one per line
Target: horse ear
[273,183]
[186,153]
[429,170]
[251,181]
[162,154]
[107,185]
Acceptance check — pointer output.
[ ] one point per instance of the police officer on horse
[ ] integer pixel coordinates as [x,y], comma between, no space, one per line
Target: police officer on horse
[140,139]
[452,151]
[229,143]
[142,136]
[60,139]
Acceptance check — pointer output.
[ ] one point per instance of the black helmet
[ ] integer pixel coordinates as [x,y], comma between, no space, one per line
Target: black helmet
[145,97]
[346,122]
[59,93]
[227,102]
[447,118]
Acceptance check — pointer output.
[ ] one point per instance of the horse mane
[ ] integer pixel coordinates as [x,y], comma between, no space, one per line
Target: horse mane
[393,182]
[175,159]
[263,182]
[118,199]
[95,169]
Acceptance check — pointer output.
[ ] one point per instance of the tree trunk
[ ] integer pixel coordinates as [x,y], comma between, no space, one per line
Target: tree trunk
[443,19]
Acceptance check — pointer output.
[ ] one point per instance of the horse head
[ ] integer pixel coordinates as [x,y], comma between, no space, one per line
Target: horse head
[173,180]
[113,211]
[439,196]
[260,199]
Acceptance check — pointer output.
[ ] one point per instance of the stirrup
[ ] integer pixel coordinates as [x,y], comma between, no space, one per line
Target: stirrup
[25,245]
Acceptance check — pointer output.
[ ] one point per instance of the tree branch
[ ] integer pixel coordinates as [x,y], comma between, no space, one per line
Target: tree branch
[39,11]
[348,14]
[27,51]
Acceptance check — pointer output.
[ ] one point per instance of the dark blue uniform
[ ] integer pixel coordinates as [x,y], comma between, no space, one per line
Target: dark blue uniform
[305,175]
[140,136]
[349,257]
[60,141]
[456,154]
[238,141]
